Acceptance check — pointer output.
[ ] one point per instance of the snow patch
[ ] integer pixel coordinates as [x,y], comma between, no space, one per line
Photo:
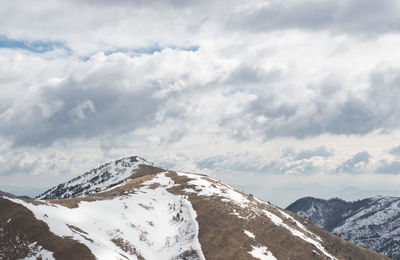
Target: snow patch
[287,216]
[262,253]
[207,188]
[38,252]
[249,234]
[279,222]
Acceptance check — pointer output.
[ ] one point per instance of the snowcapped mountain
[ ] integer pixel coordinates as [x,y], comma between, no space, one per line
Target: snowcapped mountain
[138,211]
[372,223]
[101,178]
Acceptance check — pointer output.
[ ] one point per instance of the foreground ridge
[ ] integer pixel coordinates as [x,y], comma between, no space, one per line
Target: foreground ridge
[158,214]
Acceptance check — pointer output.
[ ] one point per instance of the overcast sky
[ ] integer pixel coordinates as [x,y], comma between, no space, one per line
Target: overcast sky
[279,98]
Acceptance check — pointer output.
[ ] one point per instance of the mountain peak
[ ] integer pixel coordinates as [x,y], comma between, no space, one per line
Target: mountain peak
[101,178]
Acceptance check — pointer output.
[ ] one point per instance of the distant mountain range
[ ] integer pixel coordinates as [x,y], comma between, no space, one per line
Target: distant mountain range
[373,223]
[131,209]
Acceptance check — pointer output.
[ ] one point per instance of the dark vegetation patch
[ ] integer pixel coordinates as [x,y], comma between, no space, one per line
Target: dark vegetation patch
[188,254]
[127,247]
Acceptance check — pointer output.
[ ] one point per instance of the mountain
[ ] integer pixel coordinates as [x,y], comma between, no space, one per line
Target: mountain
[101,178]
[373,223]
[130,209]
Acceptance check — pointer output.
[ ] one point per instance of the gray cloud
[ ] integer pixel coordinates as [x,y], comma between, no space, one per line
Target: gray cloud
[107,95]
[321,151]
[272,114]
[82,112]
[17,162]
[395,151]
[245,162]
[344,16]
[246,74]
[290,162]
[388,167]
[81,25]
[356,164]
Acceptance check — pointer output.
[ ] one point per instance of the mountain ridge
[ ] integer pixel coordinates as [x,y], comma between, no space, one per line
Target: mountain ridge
[373,223]
[101,178]
[154,214]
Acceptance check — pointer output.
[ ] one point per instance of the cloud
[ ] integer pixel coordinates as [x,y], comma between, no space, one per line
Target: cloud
[395,151]
[17,162]
[321,151]
[344,16]
[71,111]
[104,26]
[356,164]
[113,94]
[245,75]
[274,114]
[289,162]
[388,167]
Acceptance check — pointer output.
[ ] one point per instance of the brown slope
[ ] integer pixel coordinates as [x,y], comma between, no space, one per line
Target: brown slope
[221,232]
[23,229]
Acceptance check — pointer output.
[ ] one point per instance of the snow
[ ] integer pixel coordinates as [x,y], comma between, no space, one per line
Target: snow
[279,222]
[93,181]
[153,223]
[378,213]
[37,252]
[298,223]
[375,226]
[262,253]
[207,188]
[249,234]
[237,214]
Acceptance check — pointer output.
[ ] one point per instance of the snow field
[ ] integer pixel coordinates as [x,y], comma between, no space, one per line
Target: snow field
[152,223]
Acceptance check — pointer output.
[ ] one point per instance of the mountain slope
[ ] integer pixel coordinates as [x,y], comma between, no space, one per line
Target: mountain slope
[372,223]
[101,178]
[161,215]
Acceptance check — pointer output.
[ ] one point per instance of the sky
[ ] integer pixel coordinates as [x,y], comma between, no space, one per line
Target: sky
[282,99]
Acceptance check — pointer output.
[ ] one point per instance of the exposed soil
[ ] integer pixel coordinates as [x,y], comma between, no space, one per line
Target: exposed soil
[19,229]
[221,232]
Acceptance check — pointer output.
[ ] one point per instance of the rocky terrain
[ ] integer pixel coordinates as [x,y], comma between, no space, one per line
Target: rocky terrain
[373,223]
[130,209]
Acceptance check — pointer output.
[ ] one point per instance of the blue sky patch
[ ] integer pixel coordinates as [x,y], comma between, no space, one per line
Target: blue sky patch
[33,46]
[151,50]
